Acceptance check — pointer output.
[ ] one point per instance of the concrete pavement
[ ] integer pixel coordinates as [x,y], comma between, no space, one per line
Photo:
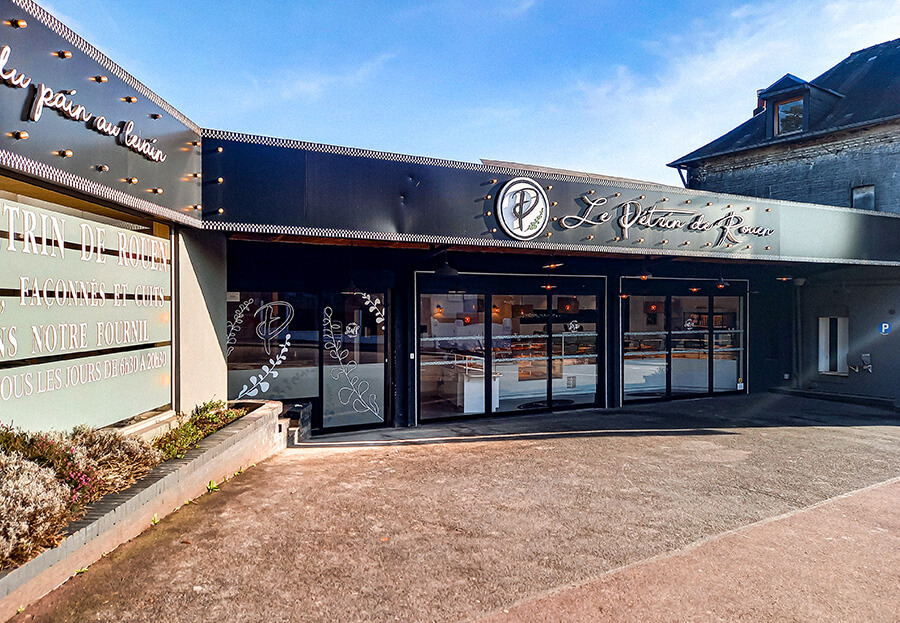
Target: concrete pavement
[835,561]
[589,515]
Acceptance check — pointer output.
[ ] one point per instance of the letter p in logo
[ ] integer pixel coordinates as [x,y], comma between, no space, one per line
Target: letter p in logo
[522,208]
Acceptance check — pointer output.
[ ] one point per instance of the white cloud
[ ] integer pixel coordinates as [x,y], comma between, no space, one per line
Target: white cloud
[314,85]
[517,7]
[632,123]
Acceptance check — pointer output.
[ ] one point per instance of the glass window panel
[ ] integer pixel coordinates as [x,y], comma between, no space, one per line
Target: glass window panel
[261,364]
[451,355]
[790,116]
[863,197]
[519,359]
[574,354]
[644,346]
[728,343]
[690,345]
[355,362]
[833,345]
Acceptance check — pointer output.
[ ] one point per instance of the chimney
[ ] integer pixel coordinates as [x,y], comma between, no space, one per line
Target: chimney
[760,103]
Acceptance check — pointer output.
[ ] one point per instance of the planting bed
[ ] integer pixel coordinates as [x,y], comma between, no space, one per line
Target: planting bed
[121,516]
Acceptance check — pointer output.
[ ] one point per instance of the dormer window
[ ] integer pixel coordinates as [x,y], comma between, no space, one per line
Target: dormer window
[789,116]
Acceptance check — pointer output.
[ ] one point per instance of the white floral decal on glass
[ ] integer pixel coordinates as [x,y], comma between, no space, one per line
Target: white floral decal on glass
[355,392]
[234,325]
[258,383]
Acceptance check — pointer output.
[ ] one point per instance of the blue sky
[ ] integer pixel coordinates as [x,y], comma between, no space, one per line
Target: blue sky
[611,87]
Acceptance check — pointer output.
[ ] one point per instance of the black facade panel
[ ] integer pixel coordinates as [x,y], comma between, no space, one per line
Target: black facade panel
[259,184]
[35,52]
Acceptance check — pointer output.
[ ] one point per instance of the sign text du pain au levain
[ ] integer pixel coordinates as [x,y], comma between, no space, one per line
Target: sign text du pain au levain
[62,101]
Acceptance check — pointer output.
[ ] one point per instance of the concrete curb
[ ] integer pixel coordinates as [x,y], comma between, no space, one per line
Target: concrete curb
[868,401]
[119,517]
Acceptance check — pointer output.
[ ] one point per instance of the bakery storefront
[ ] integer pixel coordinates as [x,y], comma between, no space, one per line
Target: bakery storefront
[151,265]
[97,202]
[394,290]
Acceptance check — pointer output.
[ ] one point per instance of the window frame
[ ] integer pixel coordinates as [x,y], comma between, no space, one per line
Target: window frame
[861,191]
[840,350]
[777,118]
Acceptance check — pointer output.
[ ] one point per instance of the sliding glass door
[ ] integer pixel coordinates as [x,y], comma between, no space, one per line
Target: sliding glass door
[574,348]
[689,340]
[491,344]
[519,350]
[681,345]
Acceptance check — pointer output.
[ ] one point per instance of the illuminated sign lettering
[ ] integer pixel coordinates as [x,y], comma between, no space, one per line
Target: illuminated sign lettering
[629,215]
[61,101]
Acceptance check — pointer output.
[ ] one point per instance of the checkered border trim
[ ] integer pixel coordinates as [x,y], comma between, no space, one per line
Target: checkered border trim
[93,53]
[65,179]
[313,232]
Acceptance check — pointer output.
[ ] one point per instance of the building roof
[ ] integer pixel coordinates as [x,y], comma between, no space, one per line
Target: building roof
[867,81]
[566,172]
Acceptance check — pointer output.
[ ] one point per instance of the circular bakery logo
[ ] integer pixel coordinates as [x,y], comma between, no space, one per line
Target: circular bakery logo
[522,208]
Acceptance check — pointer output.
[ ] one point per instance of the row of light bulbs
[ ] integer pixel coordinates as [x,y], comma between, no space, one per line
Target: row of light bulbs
[22,135]
[67,54]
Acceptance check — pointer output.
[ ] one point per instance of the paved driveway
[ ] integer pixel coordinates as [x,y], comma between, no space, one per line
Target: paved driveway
[461,521]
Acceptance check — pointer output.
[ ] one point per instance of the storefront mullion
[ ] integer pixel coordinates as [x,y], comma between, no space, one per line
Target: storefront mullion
[490,391]
[667,345]
[711,343]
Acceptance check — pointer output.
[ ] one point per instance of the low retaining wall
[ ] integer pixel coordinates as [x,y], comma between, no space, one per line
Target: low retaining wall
[119,517]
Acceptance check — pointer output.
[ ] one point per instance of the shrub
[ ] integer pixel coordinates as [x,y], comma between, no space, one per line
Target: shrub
[90,462]
[205,419]
[118,461]
[47,478]
[33,508]
[55,451]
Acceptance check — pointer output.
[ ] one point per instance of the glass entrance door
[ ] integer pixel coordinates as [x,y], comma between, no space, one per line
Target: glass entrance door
[674,345]
[506,344]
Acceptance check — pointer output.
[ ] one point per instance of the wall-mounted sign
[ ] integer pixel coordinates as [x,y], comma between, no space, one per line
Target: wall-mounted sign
[63,102]
[627,216]
[522,208]
[85,319]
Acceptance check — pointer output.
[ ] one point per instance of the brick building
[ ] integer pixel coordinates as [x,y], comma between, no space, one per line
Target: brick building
[834,140]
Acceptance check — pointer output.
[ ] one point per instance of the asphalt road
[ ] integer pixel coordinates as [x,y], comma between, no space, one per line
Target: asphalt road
[518,518]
